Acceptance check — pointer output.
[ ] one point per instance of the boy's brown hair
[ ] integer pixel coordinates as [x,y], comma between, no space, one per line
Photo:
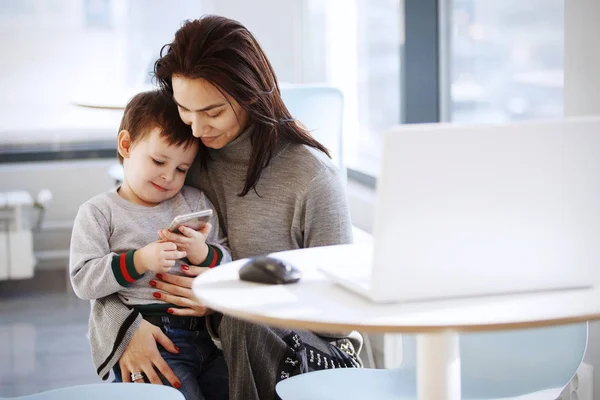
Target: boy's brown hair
[155,109]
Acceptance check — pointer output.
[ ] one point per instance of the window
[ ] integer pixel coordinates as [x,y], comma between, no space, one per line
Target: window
[357,47]
[506,60]
[60,52]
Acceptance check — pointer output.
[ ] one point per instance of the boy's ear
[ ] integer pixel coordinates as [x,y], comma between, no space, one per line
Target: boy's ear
[124,143]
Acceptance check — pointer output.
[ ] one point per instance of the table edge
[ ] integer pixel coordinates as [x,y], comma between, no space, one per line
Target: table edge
[416,329]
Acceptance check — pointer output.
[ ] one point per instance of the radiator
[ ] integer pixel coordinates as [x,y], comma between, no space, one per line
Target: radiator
[17,260]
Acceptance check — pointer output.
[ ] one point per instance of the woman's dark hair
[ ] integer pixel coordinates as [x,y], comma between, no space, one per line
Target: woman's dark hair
[223,52]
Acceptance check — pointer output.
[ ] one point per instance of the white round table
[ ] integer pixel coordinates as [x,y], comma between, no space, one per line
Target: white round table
[315,303]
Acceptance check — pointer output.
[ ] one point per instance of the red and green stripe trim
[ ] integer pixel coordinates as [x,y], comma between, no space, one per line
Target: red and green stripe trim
[124,269]
[214,257]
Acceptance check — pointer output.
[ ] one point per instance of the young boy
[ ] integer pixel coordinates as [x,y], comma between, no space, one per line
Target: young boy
[115,246]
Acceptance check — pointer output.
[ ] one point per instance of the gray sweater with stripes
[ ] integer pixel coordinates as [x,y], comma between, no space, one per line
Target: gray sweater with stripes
[300,201]
[108,229]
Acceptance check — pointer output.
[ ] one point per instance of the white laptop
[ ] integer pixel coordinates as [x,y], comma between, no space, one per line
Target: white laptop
[479,210]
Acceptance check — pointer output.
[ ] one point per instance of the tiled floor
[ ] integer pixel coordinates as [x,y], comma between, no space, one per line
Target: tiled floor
[43,343]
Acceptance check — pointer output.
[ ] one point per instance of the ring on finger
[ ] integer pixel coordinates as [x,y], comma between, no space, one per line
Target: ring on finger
[135,376]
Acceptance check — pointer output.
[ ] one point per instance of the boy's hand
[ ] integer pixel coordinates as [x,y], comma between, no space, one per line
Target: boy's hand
[157,257]
[191,241]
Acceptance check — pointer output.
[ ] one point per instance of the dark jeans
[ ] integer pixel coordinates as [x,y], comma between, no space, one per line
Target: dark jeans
[200,365]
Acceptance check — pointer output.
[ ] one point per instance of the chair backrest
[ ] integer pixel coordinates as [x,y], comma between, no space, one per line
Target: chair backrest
[320,109]
[103,391]
[511,363]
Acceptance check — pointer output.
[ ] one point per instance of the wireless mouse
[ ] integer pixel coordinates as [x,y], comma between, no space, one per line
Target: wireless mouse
[269,270]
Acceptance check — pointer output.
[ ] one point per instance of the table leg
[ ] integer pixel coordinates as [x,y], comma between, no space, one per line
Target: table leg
[438,366]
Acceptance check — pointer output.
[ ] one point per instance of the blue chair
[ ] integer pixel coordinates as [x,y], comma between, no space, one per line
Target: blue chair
[104,391]
[320,108]
[495,365]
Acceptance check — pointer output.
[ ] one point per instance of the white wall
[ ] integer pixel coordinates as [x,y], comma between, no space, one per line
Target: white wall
[276,24]
[582,97]
[71,184]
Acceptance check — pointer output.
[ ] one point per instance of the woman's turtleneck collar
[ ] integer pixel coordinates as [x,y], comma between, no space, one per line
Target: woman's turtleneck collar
[238,151]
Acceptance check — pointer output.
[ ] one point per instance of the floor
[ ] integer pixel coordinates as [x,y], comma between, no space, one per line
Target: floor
[43,342]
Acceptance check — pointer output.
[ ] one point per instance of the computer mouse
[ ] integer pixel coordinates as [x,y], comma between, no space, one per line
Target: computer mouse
[269,270]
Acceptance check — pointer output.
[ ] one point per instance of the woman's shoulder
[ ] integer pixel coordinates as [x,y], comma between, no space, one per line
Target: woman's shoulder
[305,160]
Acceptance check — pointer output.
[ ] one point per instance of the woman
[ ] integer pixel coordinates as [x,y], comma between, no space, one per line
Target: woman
[275,189]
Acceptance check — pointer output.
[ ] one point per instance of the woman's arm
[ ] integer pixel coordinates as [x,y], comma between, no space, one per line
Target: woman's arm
[325,211]
[216,237]
[327,218]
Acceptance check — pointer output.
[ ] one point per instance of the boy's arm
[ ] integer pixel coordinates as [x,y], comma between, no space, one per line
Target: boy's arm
[95,271]
[218,244]
[217,251]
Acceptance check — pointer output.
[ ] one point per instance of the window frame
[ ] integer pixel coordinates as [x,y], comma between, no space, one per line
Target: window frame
[423,68]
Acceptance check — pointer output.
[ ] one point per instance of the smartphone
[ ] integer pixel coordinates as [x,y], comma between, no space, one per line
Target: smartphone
[195,220]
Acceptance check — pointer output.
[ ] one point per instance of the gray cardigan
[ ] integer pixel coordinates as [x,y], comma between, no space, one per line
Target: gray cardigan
[300,201]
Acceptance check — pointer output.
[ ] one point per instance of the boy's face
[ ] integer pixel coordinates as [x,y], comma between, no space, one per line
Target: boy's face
[154,170]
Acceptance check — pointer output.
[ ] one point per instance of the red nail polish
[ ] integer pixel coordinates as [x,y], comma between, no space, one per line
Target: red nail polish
[185,267]
[177,385]
[170,311]
[176,348]
[157,295]
[153,283]
[159,276]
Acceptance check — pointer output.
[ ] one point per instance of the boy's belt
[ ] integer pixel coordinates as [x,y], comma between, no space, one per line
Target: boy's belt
[177,322]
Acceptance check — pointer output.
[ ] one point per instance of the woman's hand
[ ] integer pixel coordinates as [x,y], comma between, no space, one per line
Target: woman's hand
[142,355]
[178,290]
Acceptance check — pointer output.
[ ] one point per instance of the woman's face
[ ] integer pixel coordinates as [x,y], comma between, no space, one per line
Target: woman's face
[215,118]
